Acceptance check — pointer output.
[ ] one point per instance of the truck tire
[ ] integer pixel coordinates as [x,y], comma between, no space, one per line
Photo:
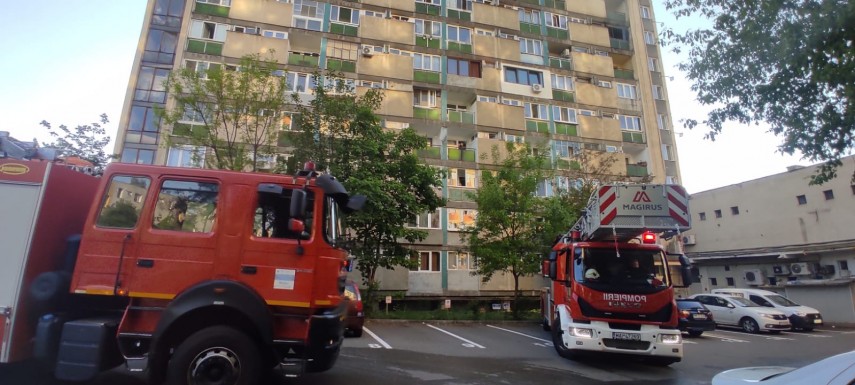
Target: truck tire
[50,287]
[558,342]
[215,355]
[749,325]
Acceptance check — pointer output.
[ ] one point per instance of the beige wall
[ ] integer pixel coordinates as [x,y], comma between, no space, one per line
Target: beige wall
[502,49]
[596,8]
[499,115]
[485,147]
[263,11]
[390,30]
[490,80]
[239,44]
[395,102]
[596,96]
[594,127]
[409,6]
[589,34]
[495,16]
[386,66]
[593,64]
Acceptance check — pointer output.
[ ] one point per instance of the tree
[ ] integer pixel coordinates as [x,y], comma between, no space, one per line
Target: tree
[235,111]
[790,64]
[340,132]
[86,142]
[508,234]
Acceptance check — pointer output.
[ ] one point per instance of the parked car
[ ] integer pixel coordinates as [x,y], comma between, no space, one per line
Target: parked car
[834,370]
[695,318]
[741,312]
[355,315]
[801,317]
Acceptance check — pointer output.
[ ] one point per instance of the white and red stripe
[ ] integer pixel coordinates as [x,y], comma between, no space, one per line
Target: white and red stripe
[678,201]
[608,208]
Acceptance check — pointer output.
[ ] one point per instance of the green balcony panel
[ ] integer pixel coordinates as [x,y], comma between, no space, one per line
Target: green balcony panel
[566,129]
[212,48]
[636,170]
[461,117]
[343,29]
[341,65]
[469,155]
[428,9]
[564,96]
[530,28]
[460,47]
[535,2]
[557,4]
[560,63]
[427,76]
[460,194]
[424,41]
[619,44]
[459,15]
[303,60]
[537,126]
[624,74]
[211,9]
[633,137]
[426,113]
[431,153]
[617,18]
[558,33]
[196,46]
[205,47]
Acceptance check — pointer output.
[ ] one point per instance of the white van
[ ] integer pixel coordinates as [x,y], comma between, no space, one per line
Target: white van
[801,317]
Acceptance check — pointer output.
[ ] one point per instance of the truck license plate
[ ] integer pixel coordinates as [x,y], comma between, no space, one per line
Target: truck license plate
[626,336]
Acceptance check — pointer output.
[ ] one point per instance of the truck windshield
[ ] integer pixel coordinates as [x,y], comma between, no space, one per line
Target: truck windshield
[333,223]
[631,268]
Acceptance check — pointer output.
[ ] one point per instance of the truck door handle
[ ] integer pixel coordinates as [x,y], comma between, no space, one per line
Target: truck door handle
[147,263]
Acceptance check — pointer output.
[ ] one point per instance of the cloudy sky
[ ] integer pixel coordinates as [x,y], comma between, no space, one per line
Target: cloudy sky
[69,61]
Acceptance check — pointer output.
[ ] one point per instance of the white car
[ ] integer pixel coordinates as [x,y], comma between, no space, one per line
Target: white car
[835,370]
[741,312]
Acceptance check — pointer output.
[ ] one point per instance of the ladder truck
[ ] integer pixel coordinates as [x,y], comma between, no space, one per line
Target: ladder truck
[611,283]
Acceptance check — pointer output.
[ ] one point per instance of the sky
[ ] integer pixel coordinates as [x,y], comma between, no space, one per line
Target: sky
[67,62]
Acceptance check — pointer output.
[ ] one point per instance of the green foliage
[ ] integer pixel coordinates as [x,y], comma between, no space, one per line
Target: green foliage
[236,112]
[84,141]
[787,63]
[340,132]
[120,215]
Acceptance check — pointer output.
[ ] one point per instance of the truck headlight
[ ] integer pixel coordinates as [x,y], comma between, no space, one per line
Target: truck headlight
[671,339]
[582,332]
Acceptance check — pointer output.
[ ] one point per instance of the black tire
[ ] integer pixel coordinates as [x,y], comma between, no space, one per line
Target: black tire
[749,325]
[558,342]
[356,333]
[695,333]
[215,355]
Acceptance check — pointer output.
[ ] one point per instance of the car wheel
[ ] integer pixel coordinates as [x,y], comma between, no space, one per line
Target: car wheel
[749,325]
[695,333]
[558,342]
[217,354]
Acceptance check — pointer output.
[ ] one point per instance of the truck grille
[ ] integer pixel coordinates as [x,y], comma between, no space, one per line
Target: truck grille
[626,344]
[661,315]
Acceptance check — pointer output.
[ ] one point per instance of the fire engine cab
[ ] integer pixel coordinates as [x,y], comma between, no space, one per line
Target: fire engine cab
[611,282]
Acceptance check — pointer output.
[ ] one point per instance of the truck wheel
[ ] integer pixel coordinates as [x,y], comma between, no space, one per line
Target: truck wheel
[215,355]
[749,325]
[558,342]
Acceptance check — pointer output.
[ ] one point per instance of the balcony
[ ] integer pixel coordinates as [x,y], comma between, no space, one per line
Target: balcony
[344,29]
[557,33]
[341,65]
[564,164]
[556,4]
[211,9]
[460,194]
[618,18]
[426,76]
[426,113]
[465,155]
[633,137]
[566,129]
[539,126]
[564,96]
[636,170]
[427,41]
[619,44]
[459,15]
[561,63]
[530,28]
[433,152]
[461,117]
[621,73]
[459,47]
[429,9]
[205,47]
[303,60]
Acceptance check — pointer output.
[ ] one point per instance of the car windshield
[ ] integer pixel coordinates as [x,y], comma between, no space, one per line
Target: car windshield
[781,301]
[743,302]
[682,304]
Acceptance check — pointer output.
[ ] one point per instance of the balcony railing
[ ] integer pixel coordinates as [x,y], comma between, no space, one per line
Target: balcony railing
[344,29]
[426,76]
[205,47]
[303,60]
[564,164]
[459,47]
[617,18]
[459,15]
[560,63]
[433,152]
[530,28]
[212,9]
[466,155]
[461,117]
[566,129]
[633,137]
[341,65]
[636,170]
[564,96]
[460,194]
[426,113]
[427,41]
[537,126]
[557,4]
[619,44]
[558,33]
[624,74]
[429,9]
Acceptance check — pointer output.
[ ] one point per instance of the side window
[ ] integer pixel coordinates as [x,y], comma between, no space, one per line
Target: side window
[123,202]
[186,206]
[721,302]
[273,213]
[760,300]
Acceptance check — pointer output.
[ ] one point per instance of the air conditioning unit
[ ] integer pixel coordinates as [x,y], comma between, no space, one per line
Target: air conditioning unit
[565,53]
[801,268]
[689,239]
[755,277]
[781,270]
[536,88]
[367,51]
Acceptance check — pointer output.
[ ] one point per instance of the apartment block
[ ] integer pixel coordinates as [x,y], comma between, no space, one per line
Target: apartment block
[468,75]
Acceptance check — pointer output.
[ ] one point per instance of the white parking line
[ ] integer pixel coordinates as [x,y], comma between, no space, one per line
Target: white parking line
[458,337]
[518,333]
[723,338]
[378,339]
[768,337]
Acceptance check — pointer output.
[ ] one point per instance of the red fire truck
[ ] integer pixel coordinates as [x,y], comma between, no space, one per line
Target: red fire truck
[611,284]
[197,276]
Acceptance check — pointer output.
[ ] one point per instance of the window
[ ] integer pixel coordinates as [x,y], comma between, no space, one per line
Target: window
[246,30]
[702,216]
[300,82]
[726,267]
[801,199]
[544,189]
[459,34]
[168,13]
[458,260]
[427,27]
[487,99]
[713,282]
[342,50]
[667,152]
[734,210]
[566,149]
[459,177]
[730,281]
[828,194]
[604,84]
[426,62]
[536,111]
[843,264]
[149,86]
[561,82]
[274,212]
[649,38]
[208,30]
[661,122]
[617,33]
[652,64]
[531,46]
[523,76]
[629,123]
[514,138]
[564,114]
[626,91]
[530,16]
[344,15]
[275,34]
[463,67]
[426,220]
[483,32]
[142,125]
[123,202]
[186,156]
[717,213]
[308,14]
[658,93]
[160,46]
[556,21]
[224,3]
[186,206]
[138,156]
[427,261]
[511,102]
[425,98]
[645,12]
[587,113]
[463,5]
[459,219]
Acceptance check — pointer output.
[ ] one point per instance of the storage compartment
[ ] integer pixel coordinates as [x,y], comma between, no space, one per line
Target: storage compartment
[87,347]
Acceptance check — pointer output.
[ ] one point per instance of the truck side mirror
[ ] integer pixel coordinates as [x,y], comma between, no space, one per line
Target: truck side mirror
[298,204]
[553,270]
[686,271]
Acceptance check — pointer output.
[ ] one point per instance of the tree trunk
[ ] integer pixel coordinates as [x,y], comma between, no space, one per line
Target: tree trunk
[515,306]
